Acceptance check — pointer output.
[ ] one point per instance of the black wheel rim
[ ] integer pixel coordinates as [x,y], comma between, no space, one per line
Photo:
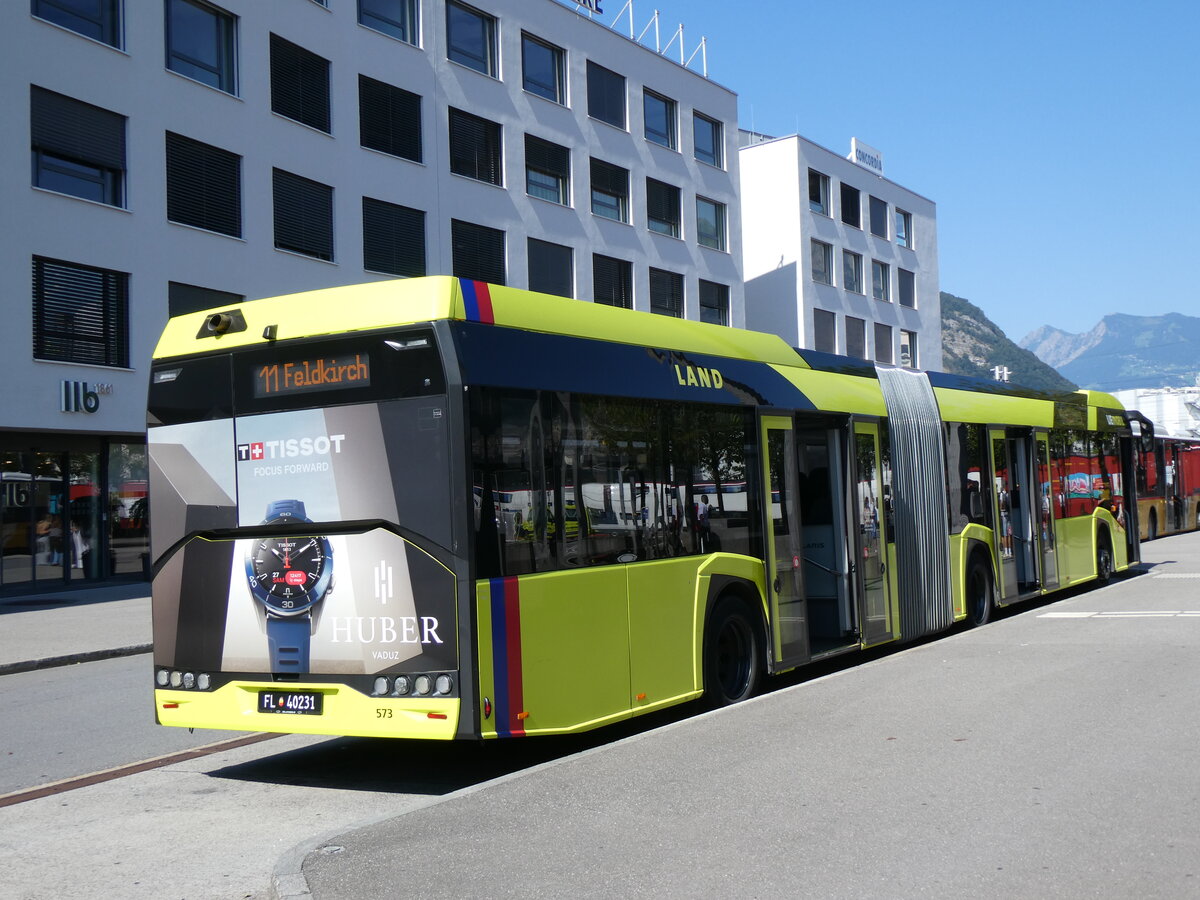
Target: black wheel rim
[733,658]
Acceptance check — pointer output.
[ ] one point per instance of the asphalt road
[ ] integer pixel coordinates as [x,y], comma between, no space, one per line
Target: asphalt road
[73,720]
[1049,754]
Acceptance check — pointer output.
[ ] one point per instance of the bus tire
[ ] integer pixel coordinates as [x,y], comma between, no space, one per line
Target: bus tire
[978,592]
[1104,559]
[1152,527]
[732,653]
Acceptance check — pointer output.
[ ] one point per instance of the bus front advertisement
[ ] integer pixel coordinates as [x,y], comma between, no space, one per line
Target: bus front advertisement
[301,567]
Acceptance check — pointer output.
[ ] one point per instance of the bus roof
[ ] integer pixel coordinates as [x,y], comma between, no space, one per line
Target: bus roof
[408,301]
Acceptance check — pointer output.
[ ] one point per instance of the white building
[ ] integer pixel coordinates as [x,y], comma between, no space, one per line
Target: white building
[187,154]
[1175,412]
[838,258]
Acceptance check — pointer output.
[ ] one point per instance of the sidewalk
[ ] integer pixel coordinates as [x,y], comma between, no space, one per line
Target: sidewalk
[71,626]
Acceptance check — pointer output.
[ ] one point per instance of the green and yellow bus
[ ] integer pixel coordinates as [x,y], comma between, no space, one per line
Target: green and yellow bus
[437,508]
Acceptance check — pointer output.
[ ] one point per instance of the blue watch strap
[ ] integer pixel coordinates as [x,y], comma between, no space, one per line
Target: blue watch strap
[288,641]
[285,509]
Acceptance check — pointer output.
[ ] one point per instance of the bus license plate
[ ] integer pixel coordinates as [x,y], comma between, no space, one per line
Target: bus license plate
[296,703]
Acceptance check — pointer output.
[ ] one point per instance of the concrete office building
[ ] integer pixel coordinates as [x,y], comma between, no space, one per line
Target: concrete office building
[189,154]
[838,258]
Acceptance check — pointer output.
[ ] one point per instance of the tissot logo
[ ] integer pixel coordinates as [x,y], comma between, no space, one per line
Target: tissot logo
[321,445]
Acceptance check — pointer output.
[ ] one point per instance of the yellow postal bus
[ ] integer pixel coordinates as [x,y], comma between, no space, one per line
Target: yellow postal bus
[436,508]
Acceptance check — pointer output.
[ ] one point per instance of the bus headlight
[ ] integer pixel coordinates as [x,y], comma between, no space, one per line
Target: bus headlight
[444,684]
[162,677]
[403,685]
[423,685]
[381,685]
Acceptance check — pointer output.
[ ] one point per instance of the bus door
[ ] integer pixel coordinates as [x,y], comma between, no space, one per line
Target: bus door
[824,533]
[1175,520]
[870,549]
[1045,513]
[1018,509]
[785,577]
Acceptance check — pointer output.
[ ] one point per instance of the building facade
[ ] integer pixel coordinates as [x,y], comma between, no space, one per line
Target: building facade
[188,154]
[836,257]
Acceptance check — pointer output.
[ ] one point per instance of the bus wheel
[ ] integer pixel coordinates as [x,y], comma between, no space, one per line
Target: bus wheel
[1104,560]
[731,654]
[979,593]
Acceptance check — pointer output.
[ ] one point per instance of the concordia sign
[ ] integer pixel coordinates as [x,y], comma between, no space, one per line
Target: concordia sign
[865,156]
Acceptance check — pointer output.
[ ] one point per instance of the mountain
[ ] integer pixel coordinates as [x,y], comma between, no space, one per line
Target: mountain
[973,345]
[1124,352]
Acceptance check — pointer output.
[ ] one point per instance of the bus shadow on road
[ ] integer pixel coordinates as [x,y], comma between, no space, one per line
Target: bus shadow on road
[429,768]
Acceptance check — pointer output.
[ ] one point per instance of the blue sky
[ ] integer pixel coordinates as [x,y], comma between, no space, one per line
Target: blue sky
[1060,139]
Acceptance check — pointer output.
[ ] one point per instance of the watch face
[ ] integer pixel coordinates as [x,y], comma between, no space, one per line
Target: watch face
[289,574]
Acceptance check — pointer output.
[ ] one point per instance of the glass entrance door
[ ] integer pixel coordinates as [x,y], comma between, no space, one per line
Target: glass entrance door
[50,519]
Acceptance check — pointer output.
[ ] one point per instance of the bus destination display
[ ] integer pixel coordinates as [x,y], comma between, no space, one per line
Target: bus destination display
[324,373]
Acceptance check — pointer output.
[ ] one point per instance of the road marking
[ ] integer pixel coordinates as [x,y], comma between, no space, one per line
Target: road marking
[1192,575]
[1121,614]
[79,781]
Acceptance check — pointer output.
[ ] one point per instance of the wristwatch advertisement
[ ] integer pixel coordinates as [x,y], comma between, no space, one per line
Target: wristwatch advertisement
[289,577]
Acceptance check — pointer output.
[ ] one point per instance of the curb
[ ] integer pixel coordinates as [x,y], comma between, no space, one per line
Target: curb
[70,659]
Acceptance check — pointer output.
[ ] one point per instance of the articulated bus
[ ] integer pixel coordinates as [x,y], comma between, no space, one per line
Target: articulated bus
[436,508]
[1168,482]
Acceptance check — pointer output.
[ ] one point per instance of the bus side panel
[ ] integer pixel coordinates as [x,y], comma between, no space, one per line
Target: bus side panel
[666,612]
[553,651]
[1077,539]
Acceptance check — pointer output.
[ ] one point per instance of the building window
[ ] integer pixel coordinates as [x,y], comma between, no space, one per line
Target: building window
[710,223]
[478,252]
[78,149]
[856,337]
[708,140]
[881,281]
[908,349]
[393,238]
[659,117]
[98,19]
[903,228]
[883,343]
[610,191]
[662,207]
[475,147]
[200,43]
[471,38]
[204,186]
[822,262]
[543,68]
[666,293]
[606,95]
[879,217]
[80,313]
[818,192]
[395,17]
[714,303]
[188,298]
[299,84]
[389,119]
[851,206]
[824,331]
[906,283]
[550,268]
[303,215]
[547,170]
[612,281]
[852,271]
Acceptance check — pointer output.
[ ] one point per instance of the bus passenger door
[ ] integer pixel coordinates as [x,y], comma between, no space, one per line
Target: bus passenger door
[1014,496]
[824,536]
[871,546]
[785,578]
[1045,514]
